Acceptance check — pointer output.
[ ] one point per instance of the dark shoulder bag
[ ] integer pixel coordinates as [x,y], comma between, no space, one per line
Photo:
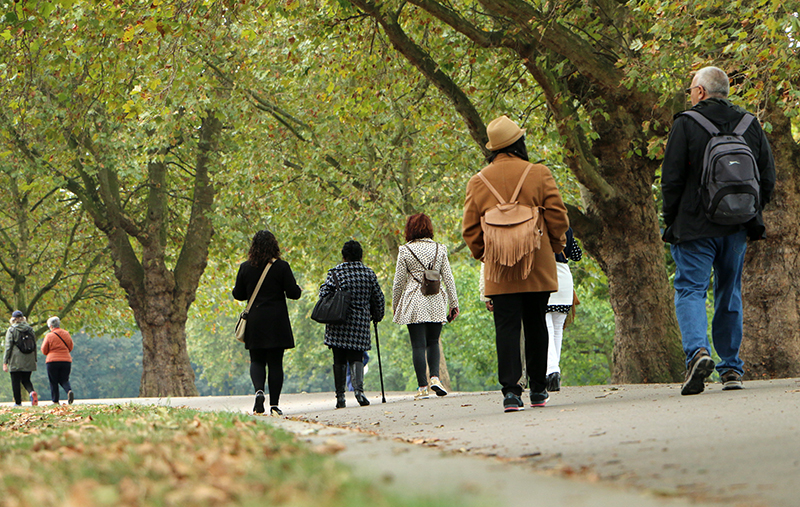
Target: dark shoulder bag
[332,308]
[431,281]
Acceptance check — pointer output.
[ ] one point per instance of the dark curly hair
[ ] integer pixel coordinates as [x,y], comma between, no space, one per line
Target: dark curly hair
[263,248]
[419,226]
[352,251]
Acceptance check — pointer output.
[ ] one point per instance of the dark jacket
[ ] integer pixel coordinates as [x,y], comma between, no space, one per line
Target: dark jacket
[13,357]
[684,217]
[367,304]
[268,325]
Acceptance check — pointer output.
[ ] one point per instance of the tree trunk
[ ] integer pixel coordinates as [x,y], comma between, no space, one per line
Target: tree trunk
[771,292]
[166,370]
[647,341]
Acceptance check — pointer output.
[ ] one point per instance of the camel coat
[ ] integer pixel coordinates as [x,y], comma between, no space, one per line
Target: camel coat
[539,189]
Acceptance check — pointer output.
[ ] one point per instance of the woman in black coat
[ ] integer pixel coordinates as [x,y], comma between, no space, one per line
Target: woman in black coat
[268,332]
[348,341]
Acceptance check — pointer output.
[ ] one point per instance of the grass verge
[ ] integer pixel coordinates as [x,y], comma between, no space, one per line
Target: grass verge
[133,455]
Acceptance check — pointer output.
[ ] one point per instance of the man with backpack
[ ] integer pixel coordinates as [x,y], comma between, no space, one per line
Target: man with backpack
[19,358]
[514,222]
[716,177]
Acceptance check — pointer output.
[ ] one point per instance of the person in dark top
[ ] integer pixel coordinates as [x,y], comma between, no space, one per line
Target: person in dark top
[268,332]
[349,341]
[698,244]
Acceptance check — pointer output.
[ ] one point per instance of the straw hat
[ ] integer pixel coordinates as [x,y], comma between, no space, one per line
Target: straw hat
[502,132]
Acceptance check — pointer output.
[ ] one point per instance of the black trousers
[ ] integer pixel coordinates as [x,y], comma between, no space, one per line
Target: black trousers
[344,356]
[510,311]
[20,378]
[260,361]
[425,349]
[58,374]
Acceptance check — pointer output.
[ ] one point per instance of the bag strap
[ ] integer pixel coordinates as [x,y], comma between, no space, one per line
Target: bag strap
[516,191]
[744,124]
[521,181]
[62,339]
[435,256]
[703,121]
[258,286]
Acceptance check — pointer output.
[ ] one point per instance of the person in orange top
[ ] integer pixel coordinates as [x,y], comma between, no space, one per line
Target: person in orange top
[57,346]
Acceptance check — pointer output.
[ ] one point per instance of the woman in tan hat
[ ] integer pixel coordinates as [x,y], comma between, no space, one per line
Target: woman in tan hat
[519,274]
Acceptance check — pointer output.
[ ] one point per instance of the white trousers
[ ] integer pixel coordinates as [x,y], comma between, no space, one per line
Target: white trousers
[555,330]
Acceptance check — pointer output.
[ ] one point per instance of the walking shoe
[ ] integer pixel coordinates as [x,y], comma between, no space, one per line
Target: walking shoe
[70,397]
[422,393]
[275,411]
[700,367]
[258,408]
[554,382]
[539,399]
[437,387]
[731,380]
[34,398]
[512,403]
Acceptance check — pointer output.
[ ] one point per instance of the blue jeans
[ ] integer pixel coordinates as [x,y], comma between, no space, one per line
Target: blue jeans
[694,261]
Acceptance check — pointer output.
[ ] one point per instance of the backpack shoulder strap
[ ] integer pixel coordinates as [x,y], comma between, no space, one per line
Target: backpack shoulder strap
[521,181]
[703,121]
[415,256]
[491,188]
[744,124]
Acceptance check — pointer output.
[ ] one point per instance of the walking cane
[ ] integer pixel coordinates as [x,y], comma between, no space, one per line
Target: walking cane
[380,368]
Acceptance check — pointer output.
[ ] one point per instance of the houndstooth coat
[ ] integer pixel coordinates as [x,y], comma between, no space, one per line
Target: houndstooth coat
[409,305]
[367,304]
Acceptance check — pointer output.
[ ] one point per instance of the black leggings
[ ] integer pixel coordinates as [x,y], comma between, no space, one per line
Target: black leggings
[20,378]
[344,356]
[425,343]
[58,374]
[260,360]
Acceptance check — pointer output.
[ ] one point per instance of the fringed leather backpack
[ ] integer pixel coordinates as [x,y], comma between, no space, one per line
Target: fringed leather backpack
[512,232]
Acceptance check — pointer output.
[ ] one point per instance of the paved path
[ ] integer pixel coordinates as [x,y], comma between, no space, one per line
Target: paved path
[628,445]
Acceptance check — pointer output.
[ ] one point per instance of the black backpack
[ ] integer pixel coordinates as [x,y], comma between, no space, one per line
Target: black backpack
[730,184]
[26,341]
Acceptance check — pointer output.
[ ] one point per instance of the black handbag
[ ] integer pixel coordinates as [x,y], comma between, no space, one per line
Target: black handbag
[332,308]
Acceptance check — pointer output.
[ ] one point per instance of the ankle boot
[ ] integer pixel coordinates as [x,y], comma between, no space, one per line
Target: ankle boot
[339,381]
[357,378]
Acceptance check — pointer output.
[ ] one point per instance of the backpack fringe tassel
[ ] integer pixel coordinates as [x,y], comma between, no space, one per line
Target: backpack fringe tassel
[509,251]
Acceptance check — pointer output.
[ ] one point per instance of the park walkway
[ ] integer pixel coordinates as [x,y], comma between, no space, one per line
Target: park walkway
[626,445]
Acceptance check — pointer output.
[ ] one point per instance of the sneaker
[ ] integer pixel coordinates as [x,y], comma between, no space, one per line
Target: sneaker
[422,393]
[258,408]
[700,367]
[275,411]
[34,398]
[731,380]
[70,397]
[437,387]
[512,403]
[539,399]
[554,382]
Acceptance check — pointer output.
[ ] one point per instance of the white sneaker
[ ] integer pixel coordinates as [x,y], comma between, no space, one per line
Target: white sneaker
[422,394]
[437,387]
